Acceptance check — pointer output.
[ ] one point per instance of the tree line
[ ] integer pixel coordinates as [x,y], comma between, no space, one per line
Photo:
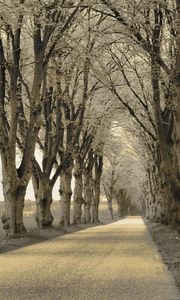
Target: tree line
[65,69]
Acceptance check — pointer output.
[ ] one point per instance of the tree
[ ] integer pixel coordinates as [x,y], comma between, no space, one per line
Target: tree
[15,180]
[44,19]
[148,35]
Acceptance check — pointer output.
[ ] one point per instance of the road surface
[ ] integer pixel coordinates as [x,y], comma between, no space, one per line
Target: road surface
[118,261]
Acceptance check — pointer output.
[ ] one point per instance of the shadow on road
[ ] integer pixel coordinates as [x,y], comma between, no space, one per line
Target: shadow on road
[35,236]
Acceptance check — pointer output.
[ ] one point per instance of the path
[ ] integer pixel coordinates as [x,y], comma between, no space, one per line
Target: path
[118,261]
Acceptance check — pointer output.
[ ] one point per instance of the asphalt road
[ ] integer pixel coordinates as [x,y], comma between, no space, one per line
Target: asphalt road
[114,261]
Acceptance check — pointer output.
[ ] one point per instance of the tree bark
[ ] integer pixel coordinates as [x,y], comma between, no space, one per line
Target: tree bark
[119,210]
[109,197]
[170,188]
[78,190]
[43,195]
[65,194]
[96,196]
[87,187]
[14,194]
[177,87]
[86,218]
[123,202]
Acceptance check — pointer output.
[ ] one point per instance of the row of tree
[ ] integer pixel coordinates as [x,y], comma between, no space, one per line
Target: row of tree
[45,86]
[123,171]
[65,67]
[144,52]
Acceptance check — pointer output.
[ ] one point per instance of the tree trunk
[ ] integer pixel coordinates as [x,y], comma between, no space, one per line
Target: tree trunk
[176,208]
[177,88]
[43,195]
[119,209]
[109,198]
[14,195]
[12,219]
[153,198]
[96,195]
[86,218]
[169,144]
[123,202]
[166,172]
[65,195]
[78,190]
[87,187]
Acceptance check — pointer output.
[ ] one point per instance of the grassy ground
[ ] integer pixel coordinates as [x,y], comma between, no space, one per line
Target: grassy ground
[167,241]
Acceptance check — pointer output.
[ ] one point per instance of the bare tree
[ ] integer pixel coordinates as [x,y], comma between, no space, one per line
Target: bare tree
[44,21]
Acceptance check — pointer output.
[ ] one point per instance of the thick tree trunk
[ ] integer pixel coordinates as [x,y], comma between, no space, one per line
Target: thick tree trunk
[44,217]
[168,177]
[96,195]
[12,219]
[154,209]
[78,191]
[14,194]
[176,208]
[65,195]
[177,88]
[159,202]
[43,195]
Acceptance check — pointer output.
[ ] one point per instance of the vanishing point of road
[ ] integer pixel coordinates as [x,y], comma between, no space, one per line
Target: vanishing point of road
[117,261]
